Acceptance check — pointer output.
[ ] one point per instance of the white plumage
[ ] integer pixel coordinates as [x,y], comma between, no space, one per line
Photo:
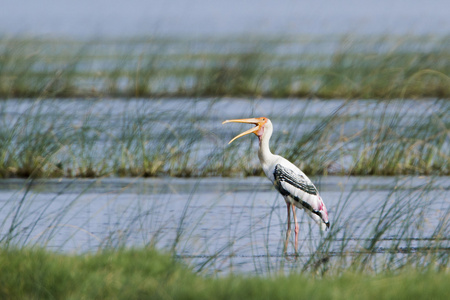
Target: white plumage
[296,188]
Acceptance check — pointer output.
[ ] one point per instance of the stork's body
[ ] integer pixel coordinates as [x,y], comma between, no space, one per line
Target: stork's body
[290,181]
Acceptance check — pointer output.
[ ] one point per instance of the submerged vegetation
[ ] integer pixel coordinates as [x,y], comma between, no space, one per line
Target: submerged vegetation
[347,67]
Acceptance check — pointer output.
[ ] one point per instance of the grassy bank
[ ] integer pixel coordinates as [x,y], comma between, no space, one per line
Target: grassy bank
[138,274]
[329,67]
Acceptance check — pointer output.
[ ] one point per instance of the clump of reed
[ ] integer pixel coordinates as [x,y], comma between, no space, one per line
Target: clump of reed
[347,67]
[44,140]
[387,142]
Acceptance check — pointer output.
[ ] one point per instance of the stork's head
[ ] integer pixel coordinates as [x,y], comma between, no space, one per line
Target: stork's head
[262,129]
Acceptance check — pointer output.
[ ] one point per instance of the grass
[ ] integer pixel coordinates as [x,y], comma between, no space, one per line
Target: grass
[185,138]
[146,273]
[349,67]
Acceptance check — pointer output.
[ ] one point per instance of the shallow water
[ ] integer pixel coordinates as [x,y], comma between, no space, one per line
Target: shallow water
[234,224]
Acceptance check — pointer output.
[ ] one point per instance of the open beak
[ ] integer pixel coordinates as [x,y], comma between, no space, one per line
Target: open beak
[256,121]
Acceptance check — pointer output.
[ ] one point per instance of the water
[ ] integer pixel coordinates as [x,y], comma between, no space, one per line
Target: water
[208,114]
[228,224]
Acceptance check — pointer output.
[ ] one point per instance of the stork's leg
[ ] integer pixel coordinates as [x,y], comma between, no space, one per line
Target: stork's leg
[288,232]
[296,228]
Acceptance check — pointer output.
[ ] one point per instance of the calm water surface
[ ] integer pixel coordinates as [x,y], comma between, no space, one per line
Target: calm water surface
[241,222]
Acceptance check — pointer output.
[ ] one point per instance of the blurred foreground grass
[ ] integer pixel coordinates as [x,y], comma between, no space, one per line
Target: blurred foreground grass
[328,67]
[148,274]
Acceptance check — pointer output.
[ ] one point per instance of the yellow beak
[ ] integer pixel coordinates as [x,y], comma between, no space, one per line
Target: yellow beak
[256,121]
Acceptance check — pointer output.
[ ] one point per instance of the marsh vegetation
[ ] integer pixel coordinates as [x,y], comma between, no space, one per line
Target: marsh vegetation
[184,137]
[348,67]
[111,187]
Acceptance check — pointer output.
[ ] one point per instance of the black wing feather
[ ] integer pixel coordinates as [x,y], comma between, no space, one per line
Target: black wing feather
[283,174]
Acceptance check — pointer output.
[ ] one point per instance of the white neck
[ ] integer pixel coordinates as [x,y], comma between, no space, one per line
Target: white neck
[264,154]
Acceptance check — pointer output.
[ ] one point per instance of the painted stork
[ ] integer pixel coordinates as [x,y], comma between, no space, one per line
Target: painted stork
[296,188]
